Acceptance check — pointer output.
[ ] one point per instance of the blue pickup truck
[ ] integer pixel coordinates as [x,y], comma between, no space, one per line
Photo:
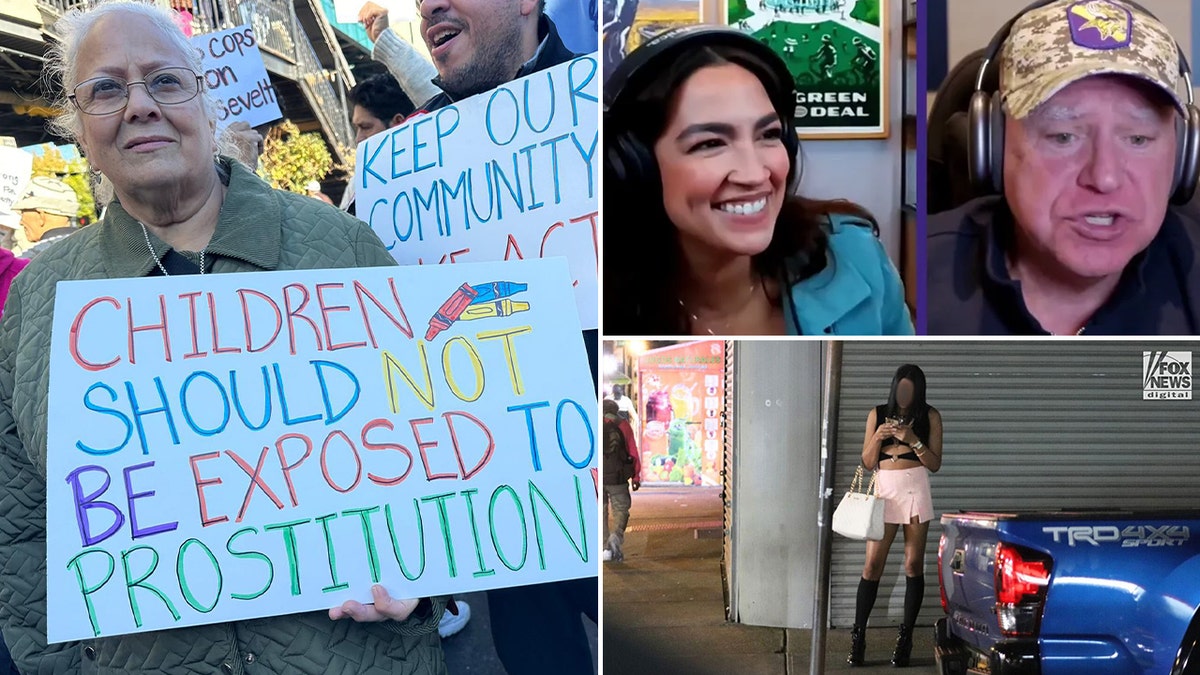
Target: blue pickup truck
[1058,593]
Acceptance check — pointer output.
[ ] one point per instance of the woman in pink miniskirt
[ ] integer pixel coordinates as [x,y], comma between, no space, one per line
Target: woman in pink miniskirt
[903,441]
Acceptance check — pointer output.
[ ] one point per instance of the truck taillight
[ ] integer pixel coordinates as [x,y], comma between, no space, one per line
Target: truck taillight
[1021,579]
[941,578]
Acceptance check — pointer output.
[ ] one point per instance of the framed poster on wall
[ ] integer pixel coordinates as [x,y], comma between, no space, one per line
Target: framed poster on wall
[628,23]
[837,52]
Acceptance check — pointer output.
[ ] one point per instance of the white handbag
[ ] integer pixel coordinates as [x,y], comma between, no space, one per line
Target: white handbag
[860,514]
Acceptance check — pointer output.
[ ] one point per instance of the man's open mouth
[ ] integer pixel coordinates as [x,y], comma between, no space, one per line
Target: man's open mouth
[440,36]
[1100,219]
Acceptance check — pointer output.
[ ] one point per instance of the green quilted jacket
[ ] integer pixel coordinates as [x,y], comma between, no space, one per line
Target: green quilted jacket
[259,229]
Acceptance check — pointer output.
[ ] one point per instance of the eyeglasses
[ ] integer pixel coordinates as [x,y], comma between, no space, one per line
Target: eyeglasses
[107,95]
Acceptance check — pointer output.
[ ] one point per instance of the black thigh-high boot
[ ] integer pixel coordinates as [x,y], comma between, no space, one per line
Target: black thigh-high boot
[914,593]
[867,591]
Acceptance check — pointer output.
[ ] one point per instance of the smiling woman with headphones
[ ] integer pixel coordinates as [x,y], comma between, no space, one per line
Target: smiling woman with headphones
[703,232]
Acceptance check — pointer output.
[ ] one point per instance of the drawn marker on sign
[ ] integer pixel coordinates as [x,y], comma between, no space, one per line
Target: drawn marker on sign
[497,290]
[494,309]
[450,310]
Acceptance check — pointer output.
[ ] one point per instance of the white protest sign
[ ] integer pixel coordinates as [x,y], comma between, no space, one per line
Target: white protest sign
[231,446]
[16,167]
[346,11]
[234,72]
[508,174]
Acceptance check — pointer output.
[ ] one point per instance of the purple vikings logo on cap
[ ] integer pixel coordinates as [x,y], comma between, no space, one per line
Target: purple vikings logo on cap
[1100,25]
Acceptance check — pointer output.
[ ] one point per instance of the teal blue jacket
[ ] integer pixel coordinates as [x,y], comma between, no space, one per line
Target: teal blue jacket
[858,292]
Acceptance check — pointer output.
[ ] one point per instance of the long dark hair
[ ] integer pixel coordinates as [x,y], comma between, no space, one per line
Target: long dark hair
[919,408]
[643,267]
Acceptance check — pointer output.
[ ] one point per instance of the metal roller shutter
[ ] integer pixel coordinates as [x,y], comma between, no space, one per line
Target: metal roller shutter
[727,418]
[1028,425]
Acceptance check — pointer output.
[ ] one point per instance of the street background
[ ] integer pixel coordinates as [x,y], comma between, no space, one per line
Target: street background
[664,611]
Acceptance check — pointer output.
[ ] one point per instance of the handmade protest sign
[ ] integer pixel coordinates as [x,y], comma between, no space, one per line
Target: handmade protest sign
[224,447]
[234,72]
[508,174]
[16,166]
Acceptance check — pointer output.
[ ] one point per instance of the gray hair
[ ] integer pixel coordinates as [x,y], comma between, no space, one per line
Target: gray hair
[62,60]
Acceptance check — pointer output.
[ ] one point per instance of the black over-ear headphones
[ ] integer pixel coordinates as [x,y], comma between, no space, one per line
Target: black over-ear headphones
[986,123]
[627,158]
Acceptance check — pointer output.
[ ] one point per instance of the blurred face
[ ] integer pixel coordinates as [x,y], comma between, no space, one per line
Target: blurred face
[147,145]
[1088,176]
[365,124]
[904,393]
[475,44]
[723,162]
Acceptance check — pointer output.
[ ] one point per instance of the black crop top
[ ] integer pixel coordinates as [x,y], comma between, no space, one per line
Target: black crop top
[920,428]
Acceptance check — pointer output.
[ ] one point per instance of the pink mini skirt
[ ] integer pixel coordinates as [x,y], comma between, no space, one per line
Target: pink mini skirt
[905,494]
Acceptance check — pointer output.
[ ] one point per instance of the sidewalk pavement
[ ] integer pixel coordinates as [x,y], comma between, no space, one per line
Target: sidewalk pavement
[664,607]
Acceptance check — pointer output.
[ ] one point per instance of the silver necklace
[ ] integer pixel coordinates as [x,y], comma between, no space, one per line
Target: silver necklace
[724,326]
[150,247]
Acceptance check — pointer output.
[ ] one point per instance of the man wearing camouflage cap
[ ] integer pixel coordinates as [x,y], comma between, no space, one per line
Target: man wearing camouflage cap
[1082,240]
[48,204]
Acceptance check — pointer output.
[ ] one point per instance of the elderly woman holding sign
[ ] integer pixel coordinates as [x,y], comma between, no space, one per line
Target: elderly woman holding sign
[134,101]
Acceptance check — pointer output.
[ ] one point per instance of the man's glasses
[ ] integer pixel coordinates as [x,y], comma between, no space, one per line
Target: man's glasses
[106,95]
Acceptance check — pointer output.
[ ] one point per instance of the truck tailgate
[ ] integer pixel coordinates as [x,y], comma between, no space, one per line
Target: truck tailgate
[1122,586]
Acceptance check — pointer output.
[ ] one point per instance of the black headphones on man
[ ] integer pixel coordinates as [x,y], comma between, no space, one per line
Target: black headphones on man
[627,159]
[986,123]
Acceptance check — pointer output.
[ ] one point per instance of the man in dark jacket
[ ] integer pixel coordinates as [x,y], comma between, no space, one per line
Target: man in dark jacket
[379,102]
[1082,239]
[621,465]
[478,45]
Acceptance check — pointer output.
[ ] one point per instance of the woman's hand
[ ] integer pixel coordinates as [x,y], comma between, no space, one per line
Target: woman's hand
[383,609]
[884,432]
[904,434]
